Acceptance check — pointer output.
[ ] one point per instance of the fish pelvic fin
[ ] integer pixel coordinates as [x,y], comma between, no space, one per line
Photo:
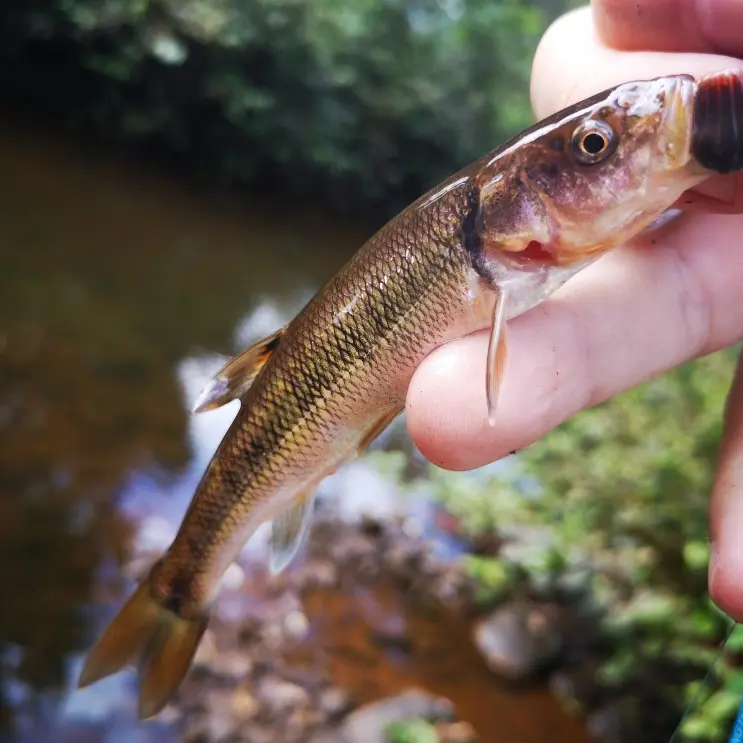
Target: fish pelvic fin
[160,643]
[233,380]
[288,532]
[497,355]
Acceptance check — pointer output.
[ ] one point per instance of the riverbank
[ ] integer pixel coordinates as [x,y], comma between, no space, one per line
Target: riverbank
[362,106]
[371,628]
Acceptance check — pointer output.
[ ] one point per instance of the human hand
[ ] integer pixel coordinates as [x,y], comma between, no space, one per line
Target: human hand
[635,313]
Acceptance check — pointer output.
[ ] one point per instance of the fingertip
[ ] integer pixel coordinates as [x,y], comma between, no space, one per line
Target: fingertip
[440,411]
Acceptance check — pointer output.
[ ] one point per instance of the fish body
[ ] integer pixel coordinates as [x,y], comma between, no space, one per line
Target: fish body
[486,245]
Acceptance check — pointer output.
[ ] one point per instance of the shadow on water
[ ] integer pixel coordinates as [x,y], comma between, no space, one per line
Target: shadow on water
[118,290]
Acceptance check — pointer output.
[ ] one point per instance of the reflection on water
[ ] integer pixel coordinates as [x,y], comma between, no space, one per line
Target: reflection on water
[120,290]
[114,284]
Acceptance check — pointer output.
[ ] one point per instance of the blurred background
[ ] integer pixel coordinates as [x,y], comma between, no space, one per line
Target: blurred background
[177,178]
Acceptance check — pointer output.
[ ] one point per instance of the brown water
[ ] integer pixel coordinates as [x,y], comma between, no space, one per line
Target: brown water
[117,287]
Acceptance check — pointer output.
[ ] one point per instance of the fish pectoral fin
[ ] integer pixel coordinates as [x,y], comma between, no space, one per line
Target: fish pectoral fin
[376,429]
[288,532]
[497,354]
[233,380]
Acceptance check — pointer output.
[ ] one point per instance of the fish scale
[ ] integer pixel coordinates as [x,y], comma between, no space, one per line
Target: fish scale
[483,247]
[333,363]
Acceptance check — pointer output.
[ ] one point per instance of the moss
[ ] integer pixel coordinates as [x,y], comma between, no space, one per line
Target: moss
[620,494]
[415,730]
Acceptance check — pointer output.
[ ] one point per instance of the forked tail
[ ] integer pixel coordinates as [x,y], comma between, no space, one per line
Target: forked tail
[160,643]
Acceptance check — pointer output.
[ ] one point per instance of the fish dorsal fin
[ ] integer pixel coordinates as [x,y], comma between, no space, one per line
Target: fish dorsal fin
[497,354]
[233,380]
[288,532]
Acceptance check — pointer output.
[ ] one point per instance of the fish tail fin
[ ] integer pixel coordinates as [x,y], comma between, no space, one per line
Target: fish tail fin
[160,642]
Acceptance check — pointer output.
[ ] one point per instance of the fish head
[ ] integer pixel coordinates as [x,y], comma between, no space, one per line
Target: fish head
[590,177]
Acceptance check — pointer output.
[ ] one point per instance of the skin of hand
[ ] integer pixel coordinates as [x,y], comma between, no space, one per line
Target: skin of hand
[637,312]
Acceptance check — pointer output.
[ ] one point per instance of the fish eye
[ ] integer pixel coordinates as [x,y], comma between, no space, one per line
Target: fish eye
[593,141]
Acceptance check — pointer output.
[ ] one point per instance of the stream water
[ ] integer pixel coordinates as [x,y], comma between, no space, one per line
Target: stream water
[120,288]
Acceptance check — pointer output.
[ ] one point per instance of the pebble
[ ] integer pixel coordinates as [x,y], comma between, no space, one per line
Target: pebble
[281,696]
[335,702]
[456,732]
[243,705]
[296,625]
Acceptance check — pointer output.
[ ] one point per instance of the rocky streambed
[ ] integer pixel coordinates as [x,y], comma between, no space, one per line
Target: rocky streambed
[372,636]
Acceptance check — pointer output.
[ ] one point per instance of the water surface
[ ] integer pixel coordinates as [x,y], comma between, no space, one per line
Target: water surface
[119,289]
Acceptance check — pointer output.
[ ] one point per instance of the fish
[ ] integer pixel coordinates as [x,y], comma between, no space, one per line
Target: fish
[486,245]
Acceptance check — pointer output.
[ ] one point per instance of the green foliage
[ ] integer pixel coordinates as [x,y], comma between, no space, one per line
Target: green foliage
[495,578]
[371,101]
[415,730]
[620,494]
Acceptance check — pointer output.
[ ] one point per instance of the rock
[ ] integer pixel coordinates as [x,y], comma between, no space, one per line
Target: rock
[451,588]
[401,557]
[231,665]
[326,735]
[253,733]
[351,547]
[280,696]
[334,702]
[243,705]
[372,526]
[206,652]
[393,635]
[456,732]
[296,625]
[213,718]
[517,640]
[301,721]
[316,573]
[368,723]
[607,724]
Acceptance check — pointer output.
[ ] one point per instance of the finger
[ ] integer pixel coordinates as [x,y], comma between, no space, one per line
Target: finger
[671,25]
[633,314]
[571,63]
[726,510]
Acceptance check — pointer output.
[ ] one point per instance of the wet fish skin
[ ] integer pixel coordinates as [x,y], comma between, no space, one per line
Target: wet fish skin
[338,375]
[490,242]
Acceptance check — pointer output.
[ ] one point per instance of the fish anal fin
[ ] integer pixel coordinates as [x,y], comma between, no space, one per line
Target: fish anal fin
[233,380]
[497,355]
[160,642]
[289,530]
